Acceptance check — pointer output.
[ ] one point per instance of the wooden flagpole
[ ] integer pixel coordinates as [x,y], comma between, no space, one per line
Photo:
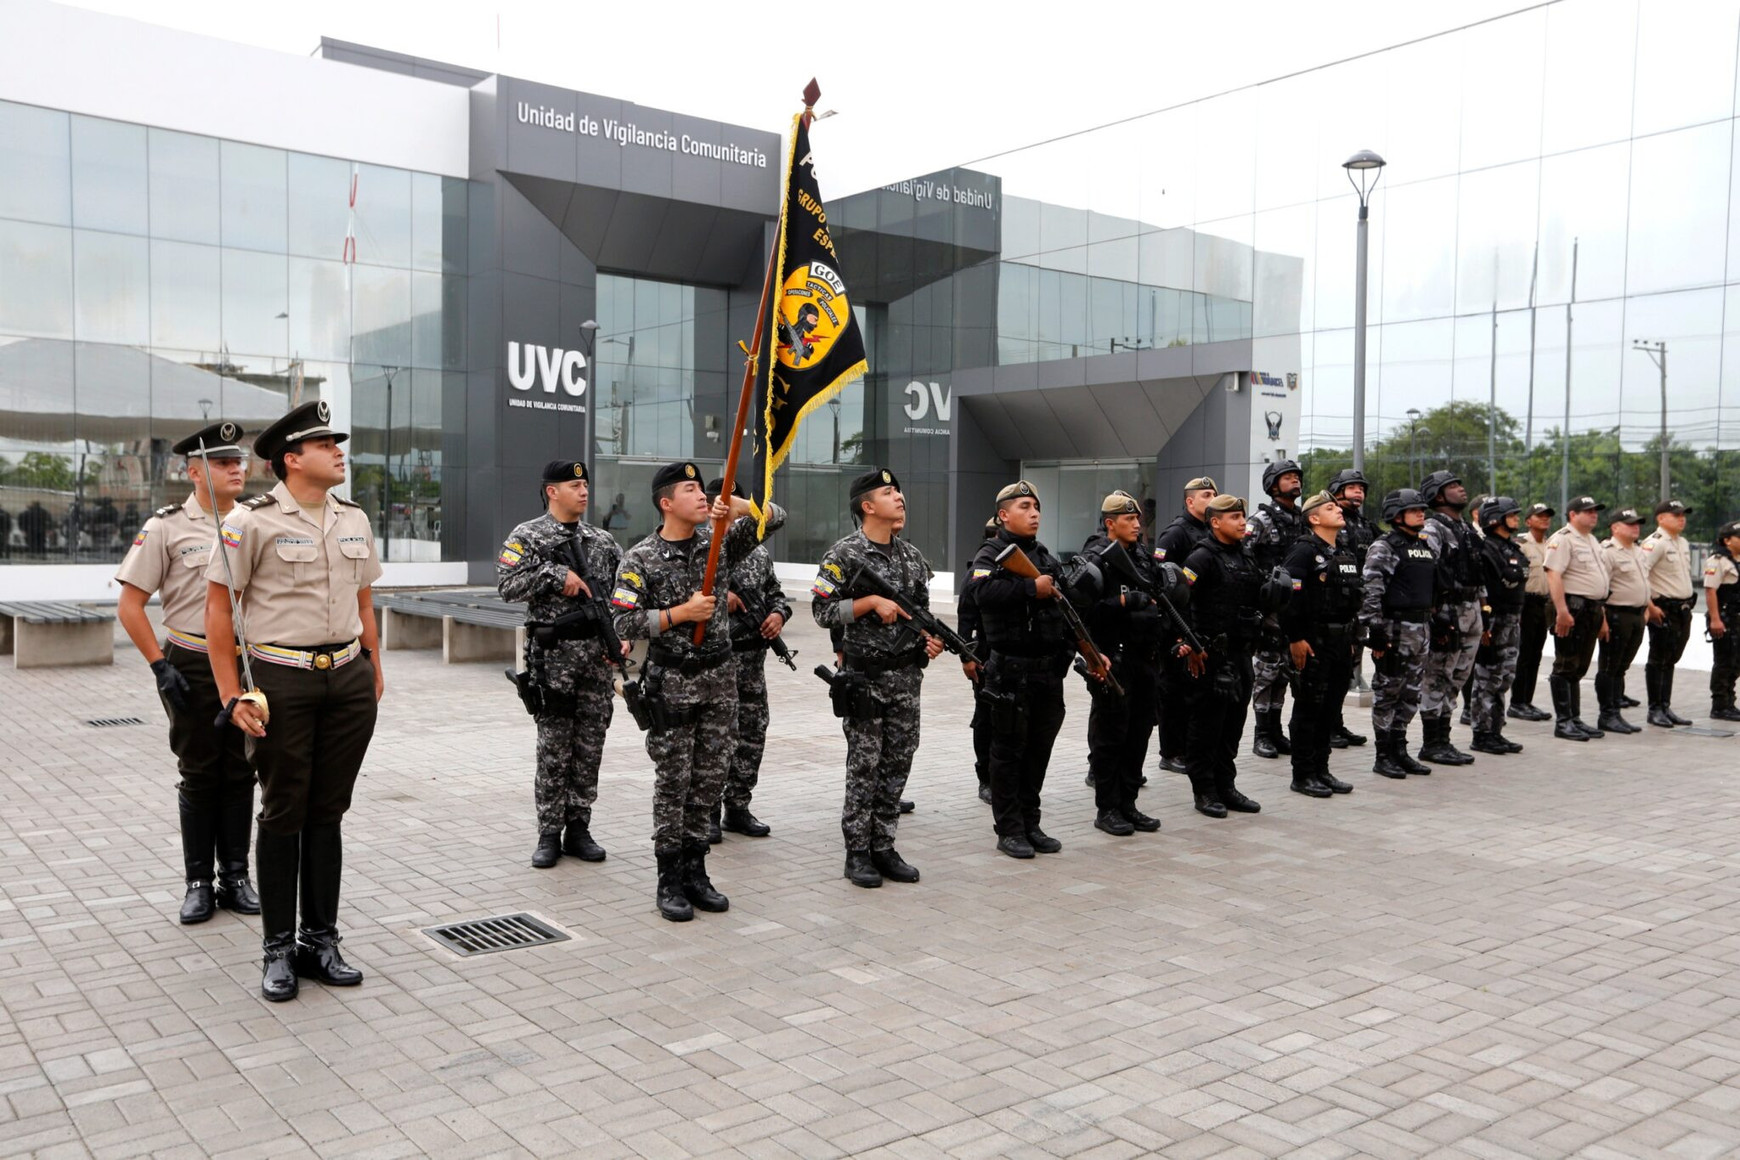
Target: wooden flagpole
[812,93]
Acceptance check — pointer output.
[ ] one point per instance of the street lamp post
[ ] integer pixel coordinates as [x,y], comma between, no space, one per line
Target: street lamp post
[589,335]
[1657,352]
[386,469]
[1414,430]
[1361,165]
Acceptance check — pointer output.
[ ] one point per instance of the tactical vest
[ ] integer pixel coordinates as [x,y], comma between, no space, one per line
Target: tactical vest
[1276,534]
[1357,536]
[1510,568]
[1727,595]
[1410,589]
[1343,587]
[1228,606]
[1458,569]
[1029,627]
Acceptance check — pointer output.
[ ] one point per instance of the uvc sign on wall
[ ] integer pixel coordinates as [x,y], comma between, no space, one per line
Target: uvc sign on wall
[532,366]
[928,405]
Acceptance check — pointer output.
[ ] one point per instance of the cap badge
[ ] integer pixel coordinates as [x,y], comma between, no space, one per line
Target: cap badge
[689,470]
[228,433]
[579,470]
[323,411]
[886,478]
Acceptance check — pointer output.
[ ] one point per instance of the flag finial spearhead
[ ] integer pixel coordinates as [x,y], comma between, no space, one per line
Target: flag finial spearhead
[812,94]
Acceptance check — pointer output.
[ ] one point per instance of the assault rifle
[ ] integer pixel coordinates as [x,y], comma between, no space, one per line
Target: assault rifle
[1016,561]
[1117,561]
[868,583]
[776,644]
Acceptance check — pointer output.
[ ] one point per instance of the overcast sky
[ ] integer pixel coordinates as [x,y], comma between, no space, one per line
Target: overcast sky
[918,86]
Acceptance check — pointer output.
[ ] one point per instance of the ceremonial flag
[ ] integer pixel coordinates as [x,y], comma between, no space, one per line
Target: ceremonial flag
[815,342]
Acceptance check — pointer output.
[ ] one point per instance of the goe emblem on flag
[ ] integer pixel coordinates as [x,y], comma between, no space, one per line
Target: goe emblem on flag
[812,313]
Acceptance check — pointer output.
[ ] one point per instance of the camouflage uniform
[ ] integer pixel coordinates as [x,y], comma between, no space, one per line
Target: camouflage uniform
[879,750]
[533,565]
[755,584]
[690,757]
[1456,626]
[1272,531]
[1395,619]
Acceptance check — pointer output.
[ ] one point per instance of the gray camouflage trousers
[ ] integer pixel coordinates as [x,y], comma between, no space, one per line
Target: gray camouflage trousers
[878,758]
[1447,671]
[1397,677]
[1269,667]
[745,768]
[1494,670]
[690,760]
[569,749]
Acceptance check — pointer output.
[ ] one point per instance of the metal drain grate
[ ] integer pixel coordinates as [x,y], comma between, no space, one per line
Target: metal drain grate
[506,932]
[105,722]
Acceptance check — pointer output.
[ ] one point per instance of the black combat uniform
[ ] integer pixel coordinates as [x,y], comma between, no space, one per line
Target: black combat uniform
[1029,652]
[967,624]
[1722,574]
[1224,585]
[1357,535]
[1182,536]
[1127,624]
[1323,611]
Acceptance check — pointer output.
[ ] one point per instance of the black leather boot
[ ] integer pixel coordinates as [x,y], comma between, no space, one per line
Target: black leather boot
[317,954]
[1436,747]
[1652,689]
[577,841]
[697,887]
[892,866]
[1607,702]
[1262,739]
[549,850]
[1667,697]
[1174,765]
[1485,742]
[1404,758]
[1278,734]
[1577,711]
[861,870]
[1564,722]
[1346,737]
[1526,711]
[1209,806]
[1384,762]
[739,820]
[235,829]
[1329,781]
[1305,778]
[1461,757]
[672,905]
[199,823]
[1042,842]
[1139,821]
[1113,822]
[277,860]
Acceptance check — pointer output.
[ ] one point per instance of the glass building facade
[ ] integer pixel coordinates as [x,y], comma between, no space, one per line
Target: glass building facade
[152,280]
[1123,307]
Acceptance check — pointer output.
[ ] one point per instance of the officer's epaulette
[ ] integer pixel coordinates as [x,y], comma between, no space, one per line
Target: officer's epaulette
[166,510]
[348,502]
[258,501]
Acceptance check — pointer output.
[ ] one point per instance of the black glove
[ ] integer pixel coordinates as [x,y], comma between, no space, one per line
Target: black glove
[171,684]
[1377,637]
[1135,600]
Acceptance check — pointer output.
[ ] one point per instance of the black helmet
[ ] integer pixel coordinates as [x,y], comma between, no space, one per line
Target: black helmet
[1272,474]
[1494,509]
[1433,485]
[1402,500]
[1339,481]
[1173,585]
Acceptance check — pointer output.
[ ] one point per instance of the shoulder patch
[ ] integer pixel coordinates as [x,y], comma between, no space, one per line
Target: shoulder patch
[511,553]
[1159,553]
[834,571]
[166,510]
[140,538]
[232,535]
[634,578]
[1189,575]
[980,573]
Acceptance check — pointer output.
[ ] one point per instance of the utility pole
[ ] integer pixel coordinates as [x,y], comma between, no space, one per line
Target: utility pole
[1492,408]
[1657,352]
[1565,445]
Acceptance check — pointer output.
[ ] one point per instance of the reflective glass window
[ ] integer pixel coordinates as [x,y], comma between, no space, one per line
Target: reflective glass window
[1583,206]
[108,176]
[254,208]
[383,216]
[36,291]
[381,315]
[1284,265]
[184,186]
[1495,236]
[1501,89]
[111,288]
[319,206]
[186,296]
[1591,57]
[35,164]
[1419,261]
[254,304]
[1286,141]
[1685,64]
[1679,207]
[319,309]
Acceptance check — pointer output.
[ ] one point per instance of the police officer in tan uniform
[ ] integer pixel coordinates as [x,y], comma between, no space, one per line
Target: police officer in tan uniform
[301,563]
[1628,609]
[1668,564]
[1577,581]
[169,557]
[1537,615]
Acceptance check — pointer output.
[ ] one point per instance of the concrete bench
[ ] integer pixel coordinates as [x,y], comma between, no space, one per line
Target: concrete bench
[469,625]
[44,633]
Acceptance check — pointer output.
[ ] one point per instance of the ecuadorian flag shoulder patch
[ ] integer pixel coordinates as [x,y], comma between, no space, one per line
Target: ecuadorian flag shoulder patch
[823,587]
[1159,553]
[625,597]
[980,573]
[512,553]
[1298,585]
[232,536]
[1189,575]
[140,538]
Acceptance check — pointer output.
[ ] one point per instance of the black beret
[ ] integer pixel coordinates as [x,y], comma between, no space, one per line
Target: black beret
[309,421]
[562,470]
[220,440]
[718,486]
[674,473]
[870,481]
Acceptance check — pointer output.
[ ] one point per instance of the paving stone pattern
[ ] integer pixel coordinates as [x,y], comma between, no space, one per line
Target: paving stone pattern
[1534,956]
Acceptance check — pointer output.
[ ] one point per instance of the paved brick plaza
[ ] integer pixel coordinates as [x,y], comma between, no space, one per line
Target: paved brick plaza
[1534,956]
